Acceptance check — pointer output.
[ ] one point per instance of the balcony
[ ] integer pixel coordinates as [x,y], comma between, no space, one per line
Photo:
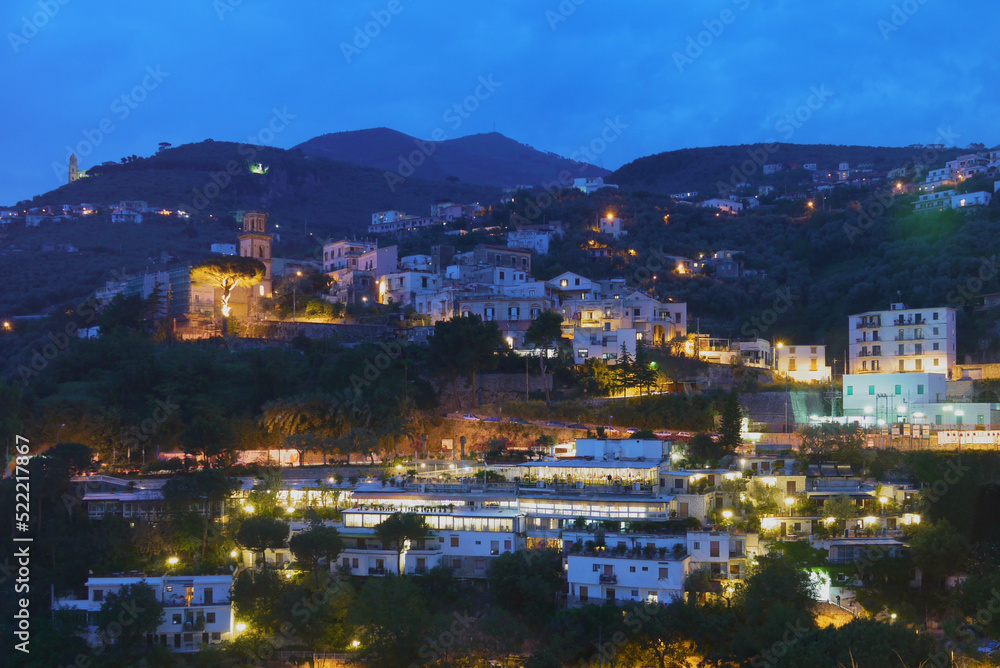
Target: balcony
[184,603]
[196,625]
[609,579]
[376,571]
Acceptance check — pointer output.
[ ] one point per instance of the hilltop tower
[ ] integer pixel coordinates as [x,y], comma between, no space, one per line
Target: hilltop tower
[74,168]
[256,243]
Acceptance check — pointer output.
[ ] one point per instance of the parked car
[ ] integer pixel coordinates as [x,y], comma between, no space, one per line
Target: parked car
[492,418]
[610,430]
[554,423]
[469,416]
[577,425]
[664,433]
[517,421]
[684,434]
[631,430]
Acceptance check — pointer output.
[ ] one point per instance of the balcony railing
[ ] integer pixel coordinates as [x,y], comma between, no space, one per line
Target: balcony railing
[609,579]
[376,571]
[196,625]
[183,603]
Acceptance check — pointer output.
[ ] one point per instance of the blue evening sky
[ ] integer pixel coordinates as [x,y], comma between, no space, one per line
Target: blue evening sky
[670,74]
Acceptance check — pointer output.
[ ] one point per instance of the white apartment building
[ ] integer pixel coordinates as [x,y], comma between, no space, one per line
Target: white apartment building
[615,577]
[396,221]
[936,178]
[980,198]
[934,201]
[611,225]
[513,312]
[360,256]
[590,184]
[902,340]
[596,343]
[535,240]
[416,262]
[725,205]
[407,287]
[806,364]
[196,608]
[464,540]
[655,322]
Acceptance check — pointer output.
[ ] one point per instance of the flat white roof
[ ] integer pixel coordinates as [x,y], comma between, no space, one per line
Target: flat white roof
[592,464]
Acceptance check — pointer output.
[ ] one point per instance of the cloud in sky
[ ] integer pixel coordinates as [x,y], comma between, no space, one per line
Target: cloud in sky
[896,70]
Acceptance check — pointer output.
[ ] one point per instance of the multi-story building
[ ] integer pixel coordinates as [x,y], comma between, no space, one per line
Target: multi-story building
[533,238]
[806,364]
[462,539]
[934,201]
[725,205]
[902,340]
[980,198]
[652,573]
[196,609]
[652,321]
[591,184]
[384,222]
[360,255]
[937,178]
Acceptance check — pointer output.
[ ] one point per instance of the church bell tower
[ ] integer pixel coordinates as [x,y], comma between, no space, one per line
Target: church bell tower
[256,243]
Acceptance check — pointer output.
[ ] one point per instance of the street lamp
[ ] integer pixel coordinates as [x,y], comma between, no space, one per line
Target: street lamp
[295,286]
[173,561]
[59,432]
[789,501]
[241,627]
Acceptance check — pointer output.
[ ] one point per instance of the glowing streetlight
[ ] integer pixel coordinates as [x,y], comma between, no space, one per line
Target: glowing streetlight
[7,325]
[248,509]
[510,341]
[789,501]
[234,554]
[355,644]
[727,515]
[173,561]
[241,627]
